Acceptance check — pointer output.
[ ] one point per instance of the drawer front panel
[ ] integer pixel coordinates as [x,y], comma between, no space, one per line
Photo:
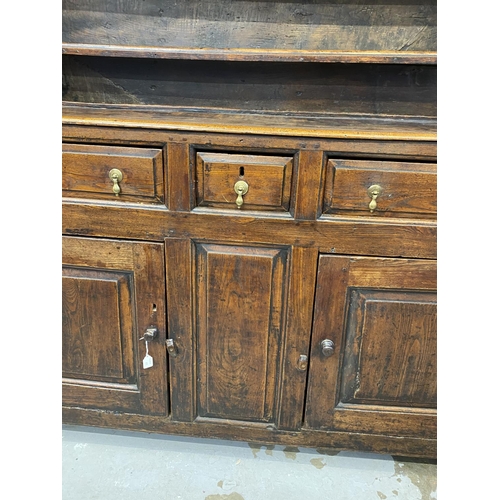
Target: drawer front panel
[268,181]
[380,188]
[88,172]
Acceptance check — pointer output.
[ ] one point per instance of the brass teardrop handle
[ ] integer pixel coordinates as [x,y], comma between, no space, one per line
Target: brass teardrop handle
[116,176]
[374,192]
[240,188]
[327,347]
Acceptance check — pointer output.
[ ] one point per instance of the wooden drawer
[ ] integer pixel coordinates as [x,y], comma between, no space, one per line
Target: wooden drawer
[86,172]
[405,189]
[268,181]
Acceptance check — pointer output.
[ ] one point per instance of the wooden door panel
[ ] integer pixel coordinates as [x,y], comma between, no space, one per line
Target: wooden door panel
[113,291]
[97,325]
[378,419]
[390,348]
[381,316]
[240,294]
[239,318]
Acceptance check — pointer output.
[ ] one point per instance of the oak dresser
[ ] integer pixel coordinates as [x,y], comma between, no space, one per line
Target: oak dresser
[249,220]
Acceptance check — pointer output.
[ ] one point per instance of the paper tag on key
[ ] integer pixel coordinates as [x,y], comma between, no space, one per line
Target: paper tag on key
[147,362]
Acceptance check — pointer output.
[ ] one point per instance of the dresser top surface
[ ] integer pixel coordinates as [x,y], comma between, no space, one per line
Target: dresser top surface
[277,124]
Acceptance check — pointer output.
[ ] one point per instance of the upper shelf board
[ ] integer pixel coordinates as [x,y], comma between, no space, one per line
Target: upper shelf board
[378,31]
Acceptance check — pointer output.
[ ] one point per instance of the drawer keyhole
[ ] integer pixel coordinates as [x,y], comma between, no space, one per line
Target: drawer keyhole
[242,171]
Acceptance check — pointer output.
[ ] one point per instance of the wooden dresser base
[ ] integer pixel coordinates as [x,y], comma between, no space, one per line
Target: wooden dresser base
[249,222]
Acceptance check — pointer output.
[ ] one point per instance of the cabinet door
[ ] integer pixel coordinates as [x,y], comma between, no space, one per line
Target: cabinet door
[113,291]
[379,376]
[228,316]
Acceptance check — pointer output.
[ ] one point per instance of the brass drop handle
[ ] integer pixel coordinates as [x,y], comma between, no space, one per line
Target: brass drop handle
[373,192]
[327,348]
[116,176]
[240,188]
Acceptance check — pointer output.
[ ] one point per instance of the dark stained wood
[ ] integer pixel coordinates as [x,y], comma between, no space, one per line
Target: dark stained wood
[179,176]
[240,297]
[300,305]
[408,189]
[400,328]
[381,316]
[85,172]
[268,177]
[190,97]
[334,126]
[357,237]
[182,368]
[297,30]
[112,292]
[382,420]
[308,185]
[329,308]
[98,326]
[235,142]
[321,89]
[253,55]
[240,431]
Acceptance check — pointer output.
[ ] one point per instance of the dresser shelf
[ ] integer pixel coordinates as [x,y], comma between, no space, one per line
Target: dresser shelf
[270,55]
[360,32]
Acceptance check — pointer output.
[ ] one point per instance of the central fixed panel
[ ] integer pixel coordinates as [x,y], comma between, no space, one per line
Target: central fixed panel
[241,294]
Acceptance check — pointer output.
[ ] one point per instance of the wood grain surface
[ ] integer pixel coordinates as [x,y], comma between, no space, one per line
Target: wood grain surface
[86,167]
[280,87]
[407,189]
[241,292]
[380,315]
[112,291]
[310,104]
[260,123]
[296,27]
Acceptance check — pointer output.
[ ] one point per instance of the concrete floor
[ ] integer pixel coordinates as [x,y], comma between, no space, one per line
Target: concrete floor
[116,465]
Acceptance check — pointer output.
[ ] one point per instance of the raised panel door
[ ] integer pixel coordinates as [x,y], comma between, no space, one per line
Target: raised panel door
[240,294]
[238,330]
[113,291]
[373,354]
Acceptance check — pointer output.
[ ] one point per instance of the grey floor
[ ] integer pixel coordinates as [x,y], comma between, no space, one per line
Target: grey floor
[105,464]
